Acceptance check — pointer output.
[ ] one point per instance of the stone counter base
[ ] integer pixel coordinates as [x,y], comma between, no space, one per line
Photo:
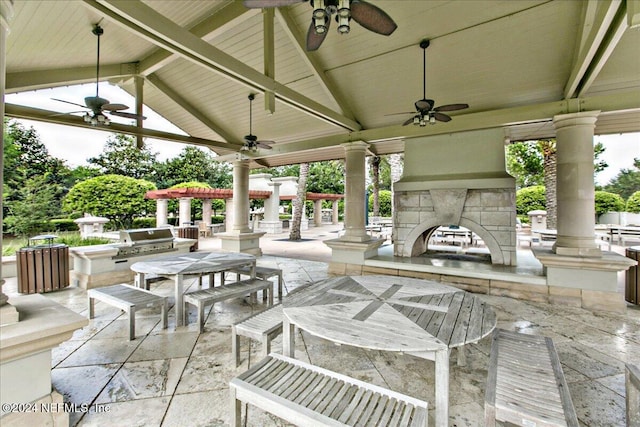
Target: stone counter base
[573,297]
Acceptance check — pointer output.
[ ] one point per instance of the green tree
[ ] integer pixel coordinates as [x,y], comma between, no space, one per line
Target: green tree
[633,203]
[194,164]
[608,202]
[530,199]
[626,182]
[116,197]
[525,163]
[326,177]
[29,214]
[121,156]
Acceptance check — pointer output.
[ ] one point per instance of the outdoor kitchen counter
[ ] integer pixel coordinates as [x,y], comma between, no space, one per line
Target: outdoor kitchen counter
[194,263]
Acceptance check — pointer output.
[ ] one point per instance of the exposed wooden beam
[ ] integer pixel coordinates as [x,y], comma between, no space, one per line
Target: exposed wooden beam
[467,122]
[269,53]
[298,40]
[153,26]
[21,112]
[31,80]
[597,19]
[189,108]
[231,15]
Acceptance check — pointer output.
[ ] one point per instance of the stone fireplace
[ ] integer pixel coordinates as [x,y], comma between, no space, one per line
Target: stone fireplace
[459,180]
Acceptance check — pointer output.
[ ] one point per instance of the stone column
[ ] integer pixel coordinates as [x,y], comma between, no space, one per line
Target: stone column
[334,215]
[575,185]
[228,214]
[184,215]
[317,213]
[355,185]
[206,211]
[241,197]
[9,314]
[162,208]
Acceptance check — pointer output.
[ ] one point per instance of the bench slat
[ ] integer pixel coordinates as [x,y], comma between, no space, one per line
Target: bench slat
[525,383]
[322,397]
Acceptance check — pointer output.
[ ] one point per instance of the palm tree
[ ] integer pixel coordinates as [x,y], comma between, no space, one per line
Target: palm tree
[298,203]
[375,173]
[548,149]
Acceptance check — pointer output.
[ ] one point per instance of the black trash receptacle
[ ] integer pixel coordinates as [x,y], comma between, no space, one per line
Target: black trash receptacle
[42,267]
[632,288]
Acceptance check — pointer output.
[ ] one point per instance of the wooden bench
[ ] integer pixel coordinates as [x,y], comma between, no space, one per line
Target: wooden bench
[128,298]
[526,385]
[263,327]
[264,273]
[307,395]
[632,386]
[204,297]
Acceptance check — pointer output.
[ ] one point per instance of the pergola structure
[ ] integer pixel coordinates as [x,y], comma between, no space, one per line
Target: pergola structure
[184,195]
[528,69]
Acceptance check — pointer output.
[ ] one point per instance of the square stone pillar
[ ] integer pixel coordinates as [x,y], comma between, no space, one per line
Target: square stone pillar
[206,211]
[334,215]
[271,223]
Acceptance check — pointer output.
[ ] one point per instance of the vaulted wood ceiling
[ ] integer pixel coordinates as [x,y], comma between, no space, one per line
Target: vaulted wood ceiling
[516,63]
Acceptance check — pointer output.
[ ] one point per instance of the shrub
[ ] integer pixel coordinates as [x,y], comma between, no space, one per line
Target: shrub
[217,219]
[608,202]
[63,224]
[633,203]
[530,199]
[384,197]
[144,222]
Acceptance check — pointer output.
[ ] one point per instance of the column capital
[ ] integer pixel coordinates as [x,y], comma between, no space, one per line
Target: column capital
[584,118]
[274,184]
[355,145]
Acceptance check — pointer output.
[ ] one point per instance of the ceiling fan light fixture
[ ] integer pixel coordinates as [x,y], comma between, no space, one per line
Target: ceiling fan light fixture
[343,25]
[432,120]
[416,120]
[86,117]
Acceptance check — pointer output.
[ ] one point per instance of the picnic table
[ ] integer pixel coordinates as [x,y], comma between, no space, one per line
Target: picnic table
[420,317]
[193,263]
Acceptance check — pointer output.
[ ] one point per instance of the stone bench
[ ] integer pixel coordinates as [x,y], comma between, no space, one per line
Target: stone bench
[525,384]
[264,273]
[262,327]
[306,395]
[208,296]
[128,298]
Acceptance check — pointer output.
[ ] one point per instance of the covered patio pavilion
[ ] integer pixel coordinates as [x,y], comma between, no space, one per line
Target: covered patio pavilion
[567,70]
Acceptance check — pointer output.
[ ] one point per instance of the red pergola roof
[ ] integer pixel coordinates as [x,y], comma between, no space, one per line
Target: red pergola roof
[202,193]
[227,193]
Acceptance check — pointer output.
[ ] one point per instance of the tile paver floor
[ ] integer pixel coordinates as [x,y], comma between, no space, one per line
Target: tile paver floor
[178,377]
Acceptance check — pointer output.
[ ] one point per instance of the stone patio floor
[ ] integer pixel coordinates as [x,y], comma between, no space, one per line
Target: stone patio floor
[179,377]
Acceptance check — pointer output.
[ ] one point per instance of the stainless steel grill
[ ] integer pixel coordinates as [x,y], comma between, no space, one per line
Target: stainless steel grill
[145,241]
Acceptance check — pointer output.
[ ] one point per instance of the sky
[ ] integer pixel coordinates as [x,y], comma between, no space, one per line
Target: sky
[76,145]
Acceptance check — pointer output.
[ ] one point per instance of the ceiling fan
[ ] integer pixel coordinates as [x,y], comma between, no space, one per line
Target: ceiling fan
[367,15]
[251,142]
[97,105]
[425,108]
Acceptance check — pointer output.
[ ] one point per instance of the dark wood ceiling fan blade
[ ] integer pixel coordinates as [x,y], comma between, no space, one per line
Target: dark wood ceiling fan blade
[127,115]
[259,4]
[265,144]
[372,17]
[408,122]
[114,107]
[69,102]
[314,40]
[403,113]
[441,117]
[451,107]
